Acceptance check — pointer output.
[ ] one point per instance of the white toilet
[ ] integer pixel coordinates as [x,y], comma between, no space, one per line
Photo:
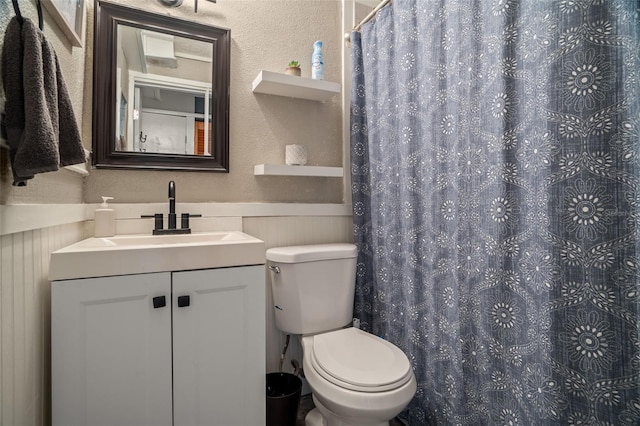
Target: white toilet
[356,378]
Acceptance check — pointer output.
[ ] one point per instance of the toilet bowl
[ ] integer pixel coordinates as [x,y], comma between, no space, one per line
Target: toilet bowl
[356,378]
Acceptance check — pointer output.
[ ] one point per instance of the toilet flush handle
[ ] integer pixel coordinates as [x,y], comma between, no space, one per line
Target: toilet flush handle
[275,269]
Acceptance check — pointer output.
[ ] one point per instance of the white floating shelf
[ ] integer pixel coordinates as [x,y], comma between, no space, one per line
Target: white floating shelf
[274,83]
[284,170]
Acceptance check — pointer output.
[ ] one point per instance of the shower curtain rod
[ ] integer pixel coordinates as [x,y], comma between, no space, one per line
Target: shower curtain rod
[371,14]
[366,19]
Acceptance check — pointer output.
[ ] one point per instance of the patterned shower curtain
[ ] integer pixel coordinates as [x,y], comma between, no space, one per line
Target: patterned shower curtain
[495,162]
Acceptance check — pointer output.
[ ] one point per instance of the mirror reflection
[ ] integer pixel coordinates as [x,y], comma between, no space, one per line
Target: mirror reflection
[161,92]
[162,84]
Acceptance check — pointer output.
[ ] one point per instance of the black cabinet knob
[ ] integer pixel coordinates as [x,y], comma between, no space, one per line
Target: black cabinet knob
[159,302]
[183,301]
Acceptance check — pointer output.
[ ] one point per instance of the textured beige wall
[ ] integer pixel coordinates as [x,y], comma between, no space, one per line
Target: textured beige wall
[266,34]
[56,187]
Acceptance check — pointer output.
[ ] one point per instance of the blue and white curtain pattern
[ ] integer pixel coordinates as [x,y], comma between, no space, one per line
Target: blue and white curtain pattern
[495,161]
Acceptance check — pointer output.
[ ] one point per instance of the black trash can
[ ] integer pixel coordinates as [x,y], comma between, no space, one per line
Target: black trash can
[283,398]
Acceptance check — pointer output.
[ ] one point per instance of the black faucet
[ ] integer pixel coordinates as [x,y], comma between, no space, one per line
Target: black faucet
[172,205]
[171,228]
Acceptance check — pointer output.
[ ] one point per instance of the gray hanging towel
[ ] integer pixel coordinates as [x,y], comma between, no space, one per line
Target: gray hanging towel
[13,117]
[41,127]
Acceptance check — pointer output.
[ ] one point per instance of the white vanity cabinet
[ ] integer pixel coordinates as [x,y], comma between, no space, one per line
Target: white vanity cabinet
[196,359]
[219,347]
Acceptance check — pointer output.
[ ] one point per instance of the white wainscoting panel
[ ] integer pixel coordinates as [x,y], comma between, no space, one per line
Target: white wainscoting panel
[25,322]
[25,304]
[288,231]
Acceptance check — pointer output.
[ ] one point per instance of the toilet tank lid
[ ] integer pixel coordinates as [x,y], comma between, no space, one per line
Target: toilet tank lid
[311,253]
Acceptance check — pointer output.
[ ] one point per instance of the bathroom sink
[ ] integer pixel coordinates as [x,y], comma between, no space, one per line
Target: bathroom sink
[137,254]
[161,240]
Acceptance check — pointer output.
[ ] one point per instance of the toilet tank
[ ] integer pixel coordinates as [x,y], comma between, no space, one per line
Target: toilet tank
[313,286]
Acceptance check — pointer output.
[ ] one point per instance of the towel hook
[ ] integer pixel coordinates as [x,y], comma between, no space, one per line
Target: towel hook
[16,9]
[40,20]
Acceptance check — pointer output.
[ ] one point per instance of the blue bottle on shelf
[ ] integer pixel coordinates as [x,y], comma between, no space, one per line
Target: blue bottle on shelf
[317,61]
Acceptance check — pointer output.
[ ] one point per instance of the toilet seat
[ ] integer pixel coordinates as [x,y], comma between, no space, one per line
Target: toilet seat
[359,361]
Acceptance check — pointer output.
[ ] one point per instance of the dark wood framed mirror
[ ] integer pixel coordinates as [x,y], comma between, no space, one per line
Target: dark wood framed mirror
[160,92]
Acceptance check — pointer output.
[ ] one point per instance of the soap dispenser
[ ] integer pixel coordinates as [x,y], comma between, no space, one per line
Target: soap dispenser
[105,220]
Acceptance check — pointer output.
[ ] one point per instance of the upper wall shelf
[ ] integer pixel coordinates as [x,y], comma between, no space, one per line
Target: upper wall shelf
[274,83]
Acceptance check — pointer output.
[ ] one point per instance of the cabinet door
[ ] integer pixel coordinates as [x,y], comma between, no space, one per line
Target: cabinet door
[111,351]
[219,347]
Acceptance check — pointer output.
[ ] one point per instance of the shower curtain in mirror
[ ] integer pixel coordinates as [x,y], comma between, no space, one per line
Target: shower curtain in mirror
[495,157]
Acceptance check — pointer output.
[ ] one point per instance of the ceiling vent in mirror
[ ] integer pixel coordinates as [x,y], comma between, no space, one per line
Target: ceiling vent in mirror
[158,49]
